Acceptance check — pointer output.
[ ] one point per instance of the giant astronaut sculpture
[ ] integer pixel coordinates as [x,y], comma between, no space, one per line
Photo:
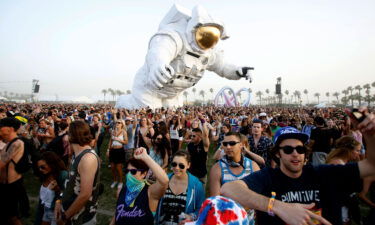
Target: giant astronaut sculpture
[177,57]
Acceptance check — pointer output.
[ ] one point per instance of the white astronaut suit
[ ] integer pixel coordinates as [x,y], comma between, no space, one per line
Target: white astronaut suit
[177,57]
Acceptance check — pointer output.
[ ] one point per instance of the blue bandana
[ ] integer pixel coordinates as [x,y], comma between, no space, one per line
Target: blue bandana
[133,188]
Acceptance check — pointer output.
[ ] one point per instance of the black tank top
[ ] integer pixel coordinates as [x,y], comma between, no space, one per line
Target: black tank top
[199,159]
[140,213]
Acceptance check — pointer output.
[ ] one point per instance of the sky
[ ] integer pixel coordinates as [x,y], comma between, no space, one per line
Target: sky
[77,48]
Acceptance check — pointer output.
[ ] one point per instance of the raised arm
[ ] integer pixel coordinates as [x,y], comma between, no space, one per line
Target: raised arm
[156,190]
[205,138]
[367,127]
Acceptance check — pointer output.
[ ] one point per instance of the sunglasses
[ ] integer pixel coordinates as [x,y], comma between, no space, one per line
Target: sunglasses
[193,136]
[231,143]
[290,149]
[133,171]
[118,122]
[174,164]
[158,139]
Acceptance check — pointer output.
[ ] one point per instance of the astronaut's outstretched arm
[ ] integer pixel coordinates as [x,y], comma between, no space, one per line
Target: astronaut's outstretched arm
[228,70]
[163,48]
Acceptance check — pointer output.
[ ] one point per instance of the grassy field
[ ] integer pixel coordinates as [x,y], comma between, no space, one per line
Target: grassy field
[107,200]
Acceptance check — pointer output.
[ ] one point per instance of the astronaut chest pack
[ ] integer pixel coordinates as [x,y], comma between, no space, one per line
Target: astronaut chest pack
[189,68]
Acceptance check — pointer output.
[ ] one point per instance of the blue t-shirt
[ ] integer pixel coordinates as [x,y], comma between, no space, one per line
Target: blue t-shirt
[325,185]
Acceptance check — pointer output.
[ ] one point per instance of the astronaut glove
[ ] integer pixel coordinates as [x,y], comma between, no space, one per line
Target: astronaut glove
[245,72]
[160,75]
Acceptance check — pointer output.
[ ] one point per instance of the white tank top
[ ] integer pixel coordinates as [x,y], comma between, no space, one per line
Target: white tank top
[117,143]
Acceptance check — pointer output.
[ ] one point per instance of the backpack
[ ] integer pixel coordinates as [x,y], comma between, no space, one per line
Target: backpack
[57,145]
[25,163]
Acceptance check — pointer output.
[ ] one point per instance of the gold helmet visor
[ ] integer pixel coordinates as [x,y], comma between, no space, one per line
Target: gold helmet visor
[207,36]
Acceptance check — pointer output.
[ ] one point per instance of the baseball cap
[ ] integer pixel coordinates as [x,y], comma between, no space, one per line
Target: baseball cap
[23,120]
[289,133]
[128,118]
[262,114]
[10,122]
[219,210]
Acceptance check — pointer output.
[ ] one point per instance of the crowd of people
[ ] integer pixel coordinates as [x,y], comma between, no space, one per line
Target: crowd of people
[272,165]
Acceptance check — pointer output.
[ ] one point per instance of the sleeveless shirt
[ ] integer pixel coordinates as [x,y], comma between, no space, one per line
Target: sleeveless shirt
[72,190]
[140,213]
[228,176]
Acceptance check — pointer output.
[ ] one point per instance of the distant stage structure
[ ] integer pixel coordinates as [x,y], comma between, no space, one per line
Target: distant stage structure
[227,97]
[178,54]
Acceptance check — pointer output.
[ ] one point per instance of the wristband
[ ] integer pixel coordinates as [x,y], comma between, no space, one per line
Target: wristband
[271,202]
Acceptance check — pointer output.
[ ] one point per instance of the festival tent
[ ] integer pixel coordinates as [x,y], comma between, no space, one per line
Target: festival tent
[324,105]
[3,98]
[83,99]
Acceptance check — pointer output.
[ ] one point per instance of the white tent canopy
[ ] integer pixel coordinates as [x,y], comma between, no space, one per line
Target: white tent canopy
[3,98]
[83,99]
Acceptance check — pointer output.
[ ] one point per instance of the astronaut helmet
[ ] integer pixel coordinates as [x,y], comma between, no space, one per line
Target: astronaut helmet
[207,36]
[203,31]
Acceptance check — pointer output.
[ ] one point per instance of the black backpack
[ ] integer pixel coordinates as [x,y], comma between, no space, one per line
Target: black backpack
[25,163]
[57,145]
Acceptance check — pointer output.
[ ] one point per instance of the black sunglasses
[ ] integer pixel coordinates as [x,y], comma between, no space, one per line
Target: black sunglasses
[133,171]
[174,164]
[159,139]
[231,143]
[290,149]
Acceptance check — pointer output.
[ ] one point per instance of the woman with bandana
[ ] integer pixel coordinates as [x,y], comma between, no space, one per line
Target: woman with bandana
[137,201]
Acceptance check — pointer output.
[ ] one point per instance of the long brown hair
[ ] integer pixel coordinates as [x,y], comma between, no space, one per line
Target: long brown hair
[54,162]
[343,148]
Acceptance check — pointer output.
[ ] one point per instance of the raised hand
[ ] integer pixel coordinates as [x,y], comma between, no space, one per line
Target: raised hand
[140,153]
[161,75]
[245,72]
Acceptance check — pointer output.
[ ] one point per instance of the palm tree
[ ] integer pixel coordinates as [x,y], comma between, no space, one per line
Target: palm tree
[367,91]
[336,94]
[194,90]
[185,93]
[367,98]
[373,84]
[286,93]
[212,93]
[345,92]
[350,89]
[317,95]
[259,94]
[239,95]
[359,97]
[327,95]
[128,92]
[298,96]
[306,92]
[112,92]
[267,92]
[118,92]
[344,100]
[202,93]
[104,91]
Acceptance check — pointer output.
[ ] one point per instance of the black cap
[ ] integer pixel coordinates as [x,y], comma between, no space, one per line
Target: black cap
[10,122]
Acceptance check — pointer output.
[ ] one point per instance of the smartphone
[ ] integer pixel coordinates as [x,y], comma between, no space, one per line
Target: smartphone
[358,115]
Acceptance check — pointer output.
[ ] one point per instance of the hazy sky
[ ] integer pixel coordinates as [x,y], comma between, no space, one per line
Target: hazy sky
[80,47]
